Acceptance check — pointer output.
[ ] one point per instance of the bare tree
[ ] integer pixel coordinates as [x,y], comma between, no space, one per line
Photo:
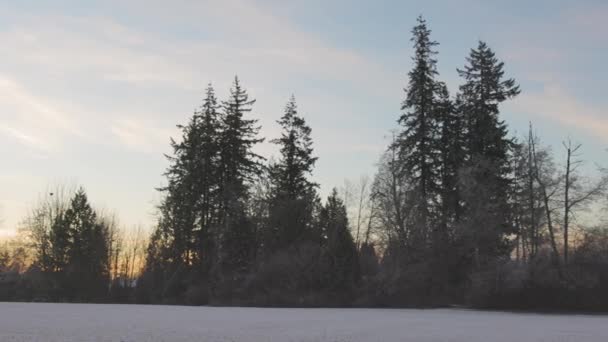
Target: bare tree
[531,173]
[391,194]
[578,192]
[371,217]
[36,227]
[357,199]
[549,187]
[346,192]
[362,197]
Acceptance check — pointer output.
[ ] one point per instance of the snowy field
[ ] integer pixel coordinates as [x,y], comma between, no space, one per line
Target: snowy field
[138,323]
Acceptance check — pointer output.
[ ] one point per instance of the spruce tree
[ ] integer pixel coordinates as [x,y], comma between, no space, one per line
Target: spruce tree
[339,246]
[189,211]
[239,166]
[418,142]
[292,193]
[484,89]
[296,162]
[178,207]
[487,152]
[208,176]
[451,156]
[238,163]
[88,267]
[59,238]
[189,208]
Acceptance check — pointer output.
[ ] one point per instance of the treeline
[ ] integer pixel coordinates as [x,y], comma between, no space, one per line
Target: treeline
[234,229]
[459,212]
[68,251]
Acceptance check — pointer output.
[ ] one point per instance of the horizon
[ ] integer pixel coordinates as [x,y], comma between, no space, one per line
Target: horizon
[91,95]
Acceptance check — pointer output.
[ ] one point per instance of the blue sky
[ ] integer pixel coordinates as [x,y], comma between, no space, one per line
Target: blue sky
[90,91]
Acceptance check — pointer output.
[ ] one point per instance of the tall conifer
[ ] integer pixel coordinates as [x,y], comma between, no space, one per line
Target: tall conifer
[418,142]
[488,151]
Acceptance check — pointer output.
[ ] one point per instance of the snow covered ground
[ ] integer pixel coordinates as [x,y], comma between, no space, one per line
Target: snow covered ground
[139,323]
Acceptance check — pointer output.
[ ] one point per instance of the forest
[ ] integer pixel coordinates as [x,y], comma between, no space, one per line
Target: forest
[460,212]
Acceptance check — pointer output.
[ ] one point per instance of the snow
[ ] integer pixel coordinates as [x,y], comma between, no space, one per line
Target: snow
[141,323]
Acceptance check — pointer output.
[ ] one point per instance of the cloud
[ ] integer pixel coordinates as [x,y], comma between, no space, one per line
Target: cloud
[97,53]
[590,21]
[553,58]
[95,79]
[24,138]
[241,35]
[555,104]
[32,120]
[141,135]
[71,49]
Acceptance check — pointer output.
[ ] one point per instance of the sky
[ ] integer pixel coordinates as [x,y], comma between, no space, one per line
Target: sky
[91,91]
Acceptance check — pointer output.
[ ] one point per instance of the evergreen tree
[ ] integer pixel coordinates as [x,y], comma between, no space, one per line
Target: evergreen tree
[150,285]
[178,207]
[297,162]
[368,260]
[487,152]
[339,246]
[60,241]
[185,238]
[417,143]
[207,177]
[451,155]
[88,267]
[238,166]
[190,205]
[292,193]
[59,238]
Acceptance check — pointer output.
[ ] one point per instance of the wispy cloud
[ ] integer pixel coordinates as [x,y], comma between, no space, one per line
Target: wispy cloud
[141,135]
[24,138]
[31,119]
[552,58]
[555,104]
[120,87]
[98,52]
[591,20]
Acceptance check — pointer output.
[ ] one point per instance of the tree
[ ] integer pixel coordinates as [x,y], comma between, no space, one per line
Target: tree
[578,193]
[292,193]
[549,184]
[339,247]
[189,211]
[238,163]
[392,195]
[61,242]
[296,162]
[39,223]
[88,267]
[417,143]
[484,89]
[525,200]
[208,176]
[363,208]
[450,156]
[487,163]
[192,193]
[239,166]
